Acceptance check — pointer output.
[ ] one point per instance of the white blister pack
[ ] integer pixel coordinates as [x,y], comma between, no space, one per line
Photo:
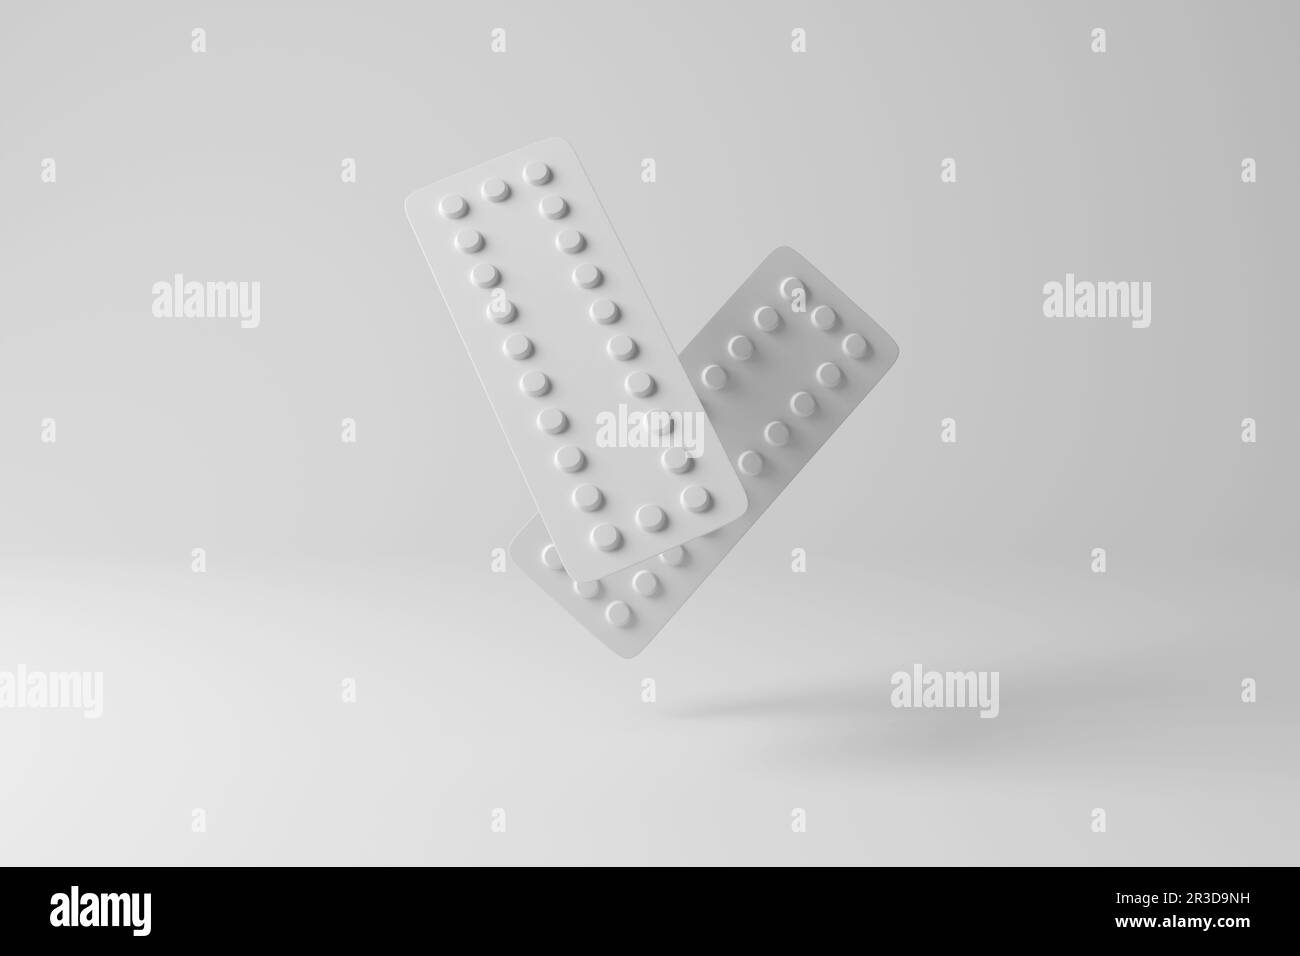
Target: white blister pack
[570,351]
[779,368]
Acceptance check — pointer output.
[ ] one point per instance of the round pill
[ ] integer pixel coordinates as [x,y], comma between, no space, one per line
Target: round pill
[570,241]
[537,173]
[495,189]
[588,497]
[500,309]
[587,276]
[673,557]
[854,345]
[553,207]
[603,311]
[484,275]
[776,433]
[606,537]
[651,518]
[570,458]
[823,317]
[587,589]
[789,286]
[740,347]
[517,346]
[802,404]
[696,498]
[658,422]
[618,614]
[829,374]
[676,460]
[640,384]
[621,347]
[552,421]
[469,240]
[645,583]
[534,383]
[750,462]
[551,558]
[766,318]
[714,377]
[452,207]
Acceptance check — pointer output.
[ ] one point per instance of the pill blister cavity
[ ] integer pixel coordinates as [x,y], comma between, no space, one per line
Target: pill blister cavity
[766,319]
[537,173]
[645,583]
[740,347]
[640,384]
[570,458]
[604,311]
[587,276]
[588,498]
[829,375]
[854,345]
[552,421]
[553,207]
[452,207]
[676,460]
[823,317]
[606,537]
[618,613]
[714,377]
[484,275]
[535,383]
[570,241]
[621,347]
[776,433]
[696,498]
[674,557]
[469,240]
[495,189]
[651,518]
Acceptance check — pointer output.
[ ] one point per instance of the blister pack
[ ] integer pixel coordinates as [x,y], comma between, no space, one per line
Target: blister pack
[602,419]
[778,368]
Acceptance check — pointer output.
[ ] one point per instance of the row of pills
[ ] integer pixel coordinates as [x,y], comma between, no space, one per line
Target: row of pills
[535,383]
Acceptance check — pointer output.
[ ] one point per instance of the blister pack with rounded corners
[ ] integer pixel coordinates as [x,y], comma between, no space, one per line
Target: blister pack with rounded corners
[602,420]
[779,368]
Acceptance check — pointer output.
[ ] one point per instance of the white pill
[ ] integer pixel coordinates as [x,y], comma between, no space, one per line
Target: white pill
[552,421]
[534,383]
[714,377]
[537,173]
[829,374]
[452,207]
[618,614]
[517,346]
[570,458]
[776,433]
[766,319]
[696,498]
[802,404]
[484,275]
[606,537]
[640,384]
[495,189]
[588,497]
[740,347]
[651,518]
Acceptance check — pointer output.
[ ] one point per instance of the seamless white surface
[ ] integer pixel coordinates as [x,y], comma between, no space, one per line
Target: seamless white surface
[372,560]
